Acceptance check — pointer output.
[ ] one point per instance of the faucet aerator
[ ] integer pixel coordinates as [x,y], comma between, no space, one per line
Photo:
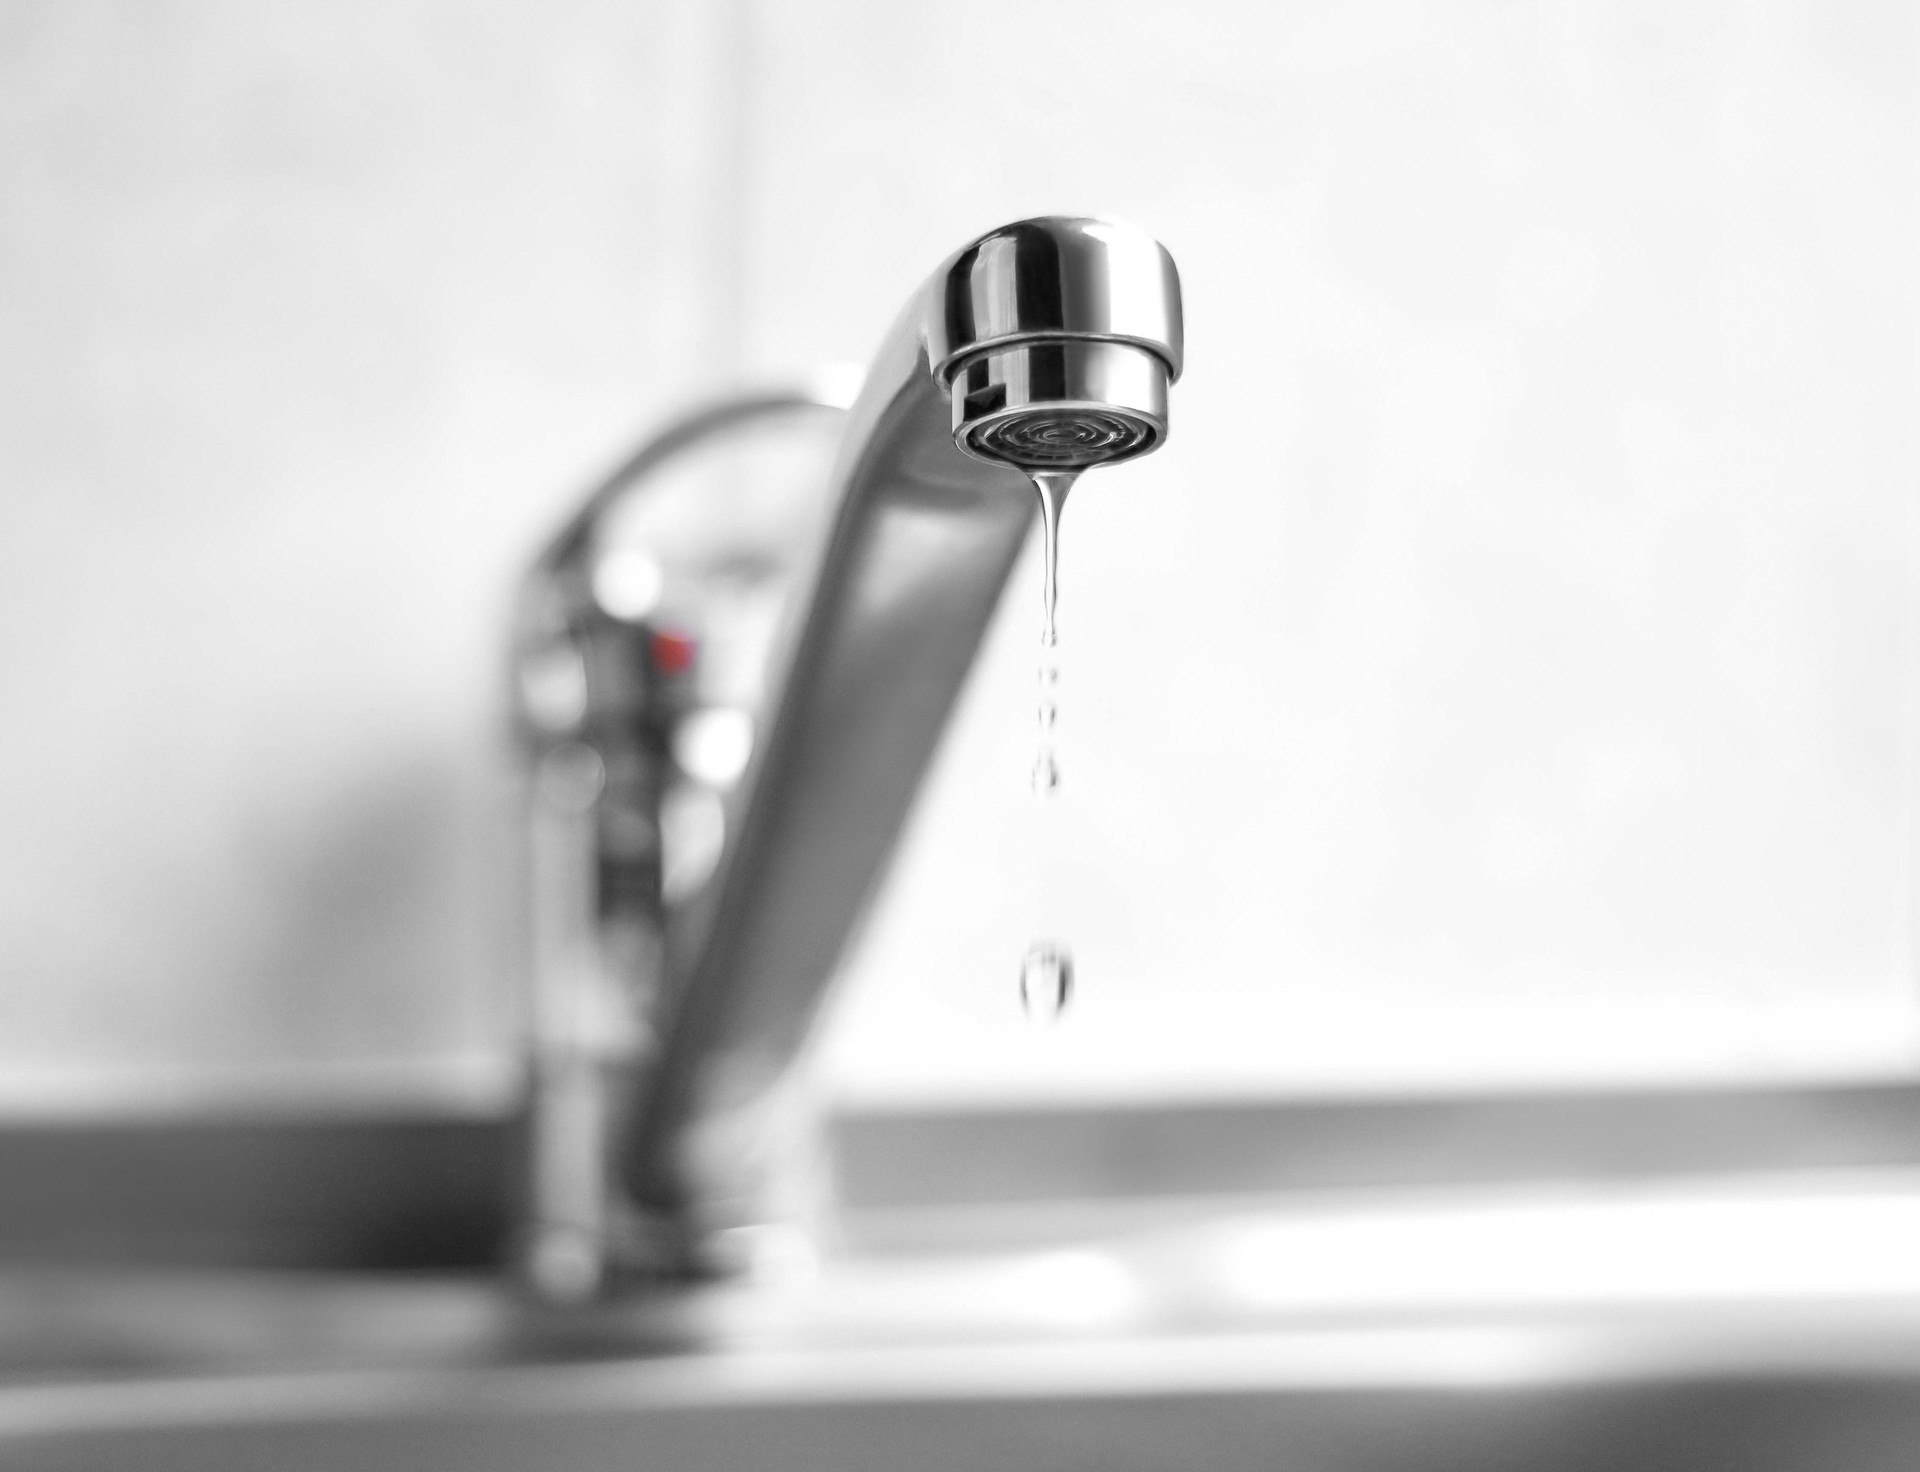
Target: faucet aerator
[1060,405]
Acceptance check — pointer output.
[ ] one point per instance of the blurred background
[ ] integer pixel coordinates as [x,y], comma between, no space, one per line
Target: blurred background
[1504,678]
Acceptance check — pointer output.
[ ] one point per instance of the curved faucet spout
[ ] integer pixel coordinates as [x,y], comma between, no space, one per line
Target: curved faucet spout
[1045,346]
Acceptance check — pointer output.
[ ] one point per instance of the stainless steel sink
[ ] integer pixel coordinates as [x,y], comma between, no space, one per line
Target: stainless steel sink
[1699,1328]
[654,1416]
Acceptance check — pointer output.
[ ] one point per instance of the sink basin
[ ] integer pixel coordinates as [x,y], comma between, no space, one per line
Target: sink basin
[1716,1328]
[1391,1399]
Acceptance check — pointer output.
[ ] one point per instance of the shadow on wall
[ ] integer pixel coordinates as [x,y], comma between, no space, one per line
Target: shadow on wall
[340,935]
[371,912]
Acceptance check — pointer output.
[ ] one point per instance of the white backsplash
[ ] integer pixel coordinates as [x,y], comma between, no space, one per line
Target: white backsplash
[1503,674]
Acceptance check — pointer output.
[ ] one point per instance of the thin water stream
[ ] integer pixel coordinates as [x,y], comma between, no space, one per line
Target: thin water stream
[1053,486]
[1046,972]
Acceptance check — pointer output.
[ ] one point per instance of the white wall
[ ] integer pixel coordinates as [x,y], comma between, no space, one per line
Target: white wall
[315,316]
[1503,673]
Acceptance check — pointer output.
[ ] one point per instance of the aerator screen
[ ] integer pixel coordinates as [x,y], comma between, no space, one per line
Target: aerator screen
[1066,437]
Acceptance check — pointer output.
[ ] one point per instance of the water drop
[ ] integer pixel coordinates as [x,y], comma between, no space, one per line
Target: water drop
[1046,774]
[1046,980]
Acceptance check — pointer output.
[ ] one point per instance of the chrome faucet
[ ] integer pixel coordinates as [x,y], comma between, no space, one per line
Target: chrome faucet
[1044,347]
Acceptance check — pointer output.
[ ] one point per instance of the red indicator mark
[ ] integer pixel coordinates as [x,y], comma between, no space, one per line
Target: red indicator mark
[672,651]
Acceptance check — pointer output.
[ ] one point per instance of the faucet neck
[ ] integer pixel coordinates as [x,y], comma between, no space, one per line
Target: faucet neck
[1046,345]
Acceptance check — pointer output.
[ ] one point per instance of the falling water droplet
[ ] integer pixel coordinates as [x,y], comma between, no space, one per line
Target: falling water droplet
[1046,765]
[1046,774]
[1046,980]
